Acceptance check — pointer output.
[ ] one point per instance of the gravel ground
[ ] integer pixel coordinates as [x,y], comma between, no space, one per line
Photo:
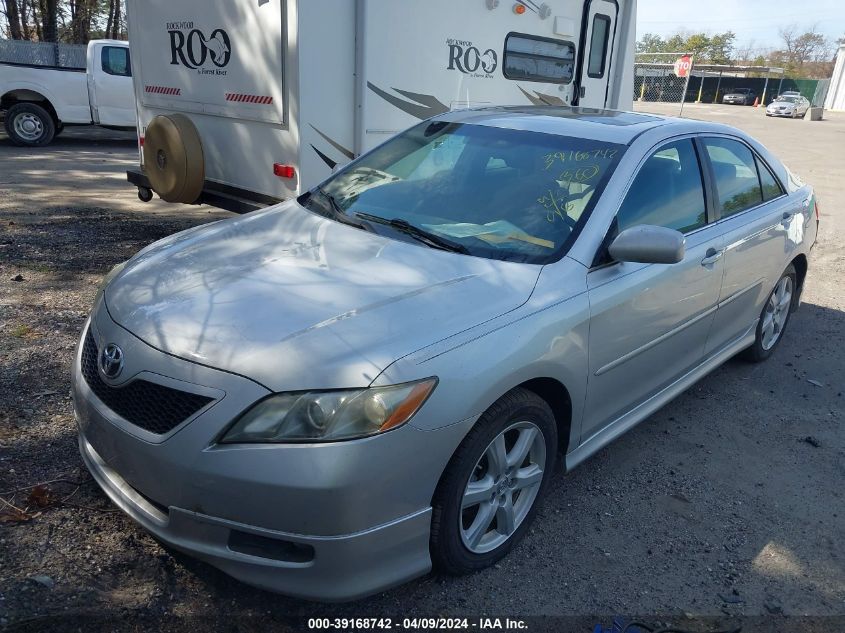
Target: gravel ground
[728,502]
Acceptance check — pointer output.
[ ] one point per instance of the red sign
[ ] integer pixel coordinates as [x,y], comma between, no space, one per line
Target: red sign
[683,65]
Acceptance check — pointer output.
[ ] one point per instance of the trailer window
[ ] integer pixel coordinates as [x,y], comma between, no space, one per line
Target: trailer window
[115,61]
[598,46]
[531,58]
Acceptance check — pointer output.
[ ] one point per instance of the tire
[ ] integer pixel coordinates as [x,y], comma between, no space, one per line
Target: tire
[461,540]
[780,311]
[30,125]
[173,158]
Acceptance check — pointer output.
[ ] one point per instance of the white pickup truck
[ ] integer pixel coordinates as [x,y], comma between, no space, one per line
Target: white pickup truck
[39,101]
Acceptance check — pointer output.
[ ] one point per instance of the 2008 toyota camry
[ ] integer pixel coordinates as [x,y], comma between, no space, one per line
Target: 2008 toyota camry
[327,397]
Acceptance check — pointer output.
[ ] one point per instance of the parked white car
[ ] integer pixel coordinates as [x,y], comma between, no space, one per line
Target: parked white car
[39,101]
[789,105]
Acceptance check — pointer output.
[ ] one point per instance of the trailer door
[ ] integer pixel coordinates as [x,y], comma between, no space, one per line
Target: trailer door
[597,52]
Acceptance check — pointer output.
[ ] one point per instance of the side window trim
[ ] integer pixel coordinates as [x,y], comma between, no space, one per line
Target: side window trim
[759,160]
[705,157]
[708,177]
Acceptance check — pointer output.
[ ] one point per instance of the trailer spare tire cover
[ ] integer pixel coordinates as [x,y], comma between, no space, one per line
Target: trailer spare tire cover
[173,158]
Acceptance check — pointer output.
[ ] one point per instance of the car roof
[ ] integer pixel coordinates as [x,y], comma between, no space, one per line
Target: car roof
[611,126]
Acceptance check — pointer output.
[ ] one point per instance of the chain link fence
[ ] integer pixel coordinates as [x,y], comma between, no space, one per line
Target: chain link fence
[48,54]
[656,81]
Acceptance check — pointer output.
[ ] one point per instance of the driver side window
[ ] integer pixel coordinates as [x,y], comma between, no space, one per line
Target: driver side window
[668,191]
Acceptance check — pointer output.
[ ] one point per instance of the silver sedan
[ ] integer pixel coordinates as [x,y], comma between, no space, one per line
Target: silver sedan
[790,105]
[329,397]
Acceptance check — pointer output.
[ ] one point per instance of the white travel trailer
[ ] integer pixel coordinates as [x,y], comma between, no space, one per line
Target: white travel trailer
[245,103]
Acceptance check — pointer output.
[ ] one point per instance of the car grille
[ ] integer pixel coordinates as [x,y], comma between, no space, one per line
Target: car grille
[152,407]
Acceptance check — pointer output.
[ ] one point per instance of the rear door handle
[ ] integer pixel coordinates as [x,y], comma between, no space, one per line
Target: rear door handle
[787,219]
[711,257]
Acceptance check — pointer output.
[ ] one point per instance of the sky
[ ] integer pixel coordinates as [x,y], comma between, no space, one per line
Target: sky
[751,20]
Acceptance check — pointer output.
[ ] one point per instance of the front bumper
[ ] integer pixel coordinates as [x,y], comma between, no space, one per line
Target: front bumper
[332,521]
[789,113]
[333,568]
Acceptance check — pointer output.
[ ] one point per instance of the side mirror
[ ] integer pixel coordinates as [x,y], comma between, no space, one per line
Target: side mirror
[648,244]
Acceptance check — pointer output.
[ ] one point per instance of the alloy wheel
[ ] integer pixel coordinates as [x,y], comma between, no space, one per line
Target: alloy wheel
[776,313]
[503,487]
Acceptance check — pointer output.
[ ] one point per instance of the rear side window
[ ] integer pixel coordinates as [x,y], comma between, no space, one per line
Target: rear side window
[598,46]
[735,169]
[667,191]
[115,60]
[770,185]
[530,58]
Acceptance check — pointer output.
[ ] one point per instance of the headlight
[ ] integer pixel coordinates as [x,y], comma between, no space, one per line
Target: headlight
[114,272]
[327,416]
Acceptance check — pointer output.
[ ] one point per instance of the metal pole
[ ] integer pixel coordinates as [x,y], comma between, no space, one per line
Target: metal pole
[765,87]
[686,84]
[701,87]
[780,85]
[718,85]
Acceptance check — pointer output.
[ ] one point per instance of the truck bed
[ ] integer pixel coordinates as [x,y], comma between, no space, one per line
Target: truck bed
[65,88]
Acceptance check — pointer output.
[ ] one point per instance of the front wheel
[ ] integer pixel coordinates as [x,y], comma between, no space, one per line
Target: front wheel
[490,491]
[29,125]
[774,317]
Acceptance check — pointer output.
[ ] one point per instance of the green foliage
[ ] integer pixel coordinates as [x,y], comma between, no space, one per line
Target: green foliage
[708,49]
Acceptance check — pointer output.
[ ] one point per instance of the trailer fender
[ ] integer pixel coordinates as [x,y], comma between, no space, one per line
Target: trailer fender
[173,158]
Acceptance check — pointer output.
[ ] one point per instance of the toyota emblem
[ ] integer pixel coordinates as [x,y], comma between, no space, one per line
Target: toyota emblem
[111,361]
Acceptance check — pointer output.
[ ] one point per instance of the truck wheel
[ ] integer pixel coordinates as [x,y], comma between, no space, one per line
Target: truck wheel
[29,125]
[173,158]
[490,491]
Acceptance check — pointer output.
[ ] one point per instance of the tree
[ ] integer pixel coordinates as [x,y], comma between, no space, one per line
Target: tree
[708,49]
[803,53]
[49,10]
[13,19]
[70,21]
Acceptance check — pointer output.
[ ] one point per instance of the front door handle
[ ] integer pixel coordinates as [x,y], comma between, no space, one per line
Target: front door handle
[711,257]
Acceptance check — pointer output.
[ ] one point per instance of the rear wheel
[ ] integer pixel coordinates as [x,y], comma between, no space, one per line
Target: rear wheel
[490,491]
[29,125]
[774,318]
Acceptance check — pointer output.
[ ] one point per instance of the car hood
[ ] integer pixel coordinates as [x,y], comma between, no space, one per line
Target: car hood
[296,301]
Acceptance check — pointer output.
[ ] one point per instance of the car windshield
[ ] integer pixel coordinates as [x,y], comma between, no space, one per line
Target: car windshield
[480,190]
[789,99]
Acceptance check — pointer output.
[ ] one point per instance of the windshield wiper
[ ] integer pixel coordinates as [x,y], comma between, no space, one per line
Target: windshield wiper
[421,235]
[337,212]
